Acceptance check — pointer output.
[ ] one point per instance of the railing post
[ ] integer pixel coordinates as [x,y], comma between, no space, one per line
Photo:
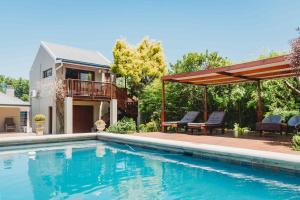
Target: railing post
[93,89]
[72,82]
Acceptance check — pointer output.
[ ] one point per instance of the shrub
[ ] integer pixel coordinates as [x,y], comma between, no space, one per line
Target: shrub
[149,127]
[125,125]
[296,142]
[39,118]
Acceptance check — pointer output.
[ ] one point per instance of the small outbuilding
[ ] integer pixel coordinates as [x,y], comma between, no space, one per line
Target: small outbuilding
[14,113]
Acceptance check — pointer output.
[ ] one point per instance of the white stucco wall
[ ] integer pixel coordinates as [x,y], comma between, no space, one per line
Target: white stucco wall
[40,105]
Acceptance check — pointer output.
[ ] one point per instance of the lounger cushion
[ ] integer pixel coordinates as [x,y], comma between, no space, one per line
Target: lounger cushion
[294,121]
[170,123]
[189,117]
[275,119]
[216,118]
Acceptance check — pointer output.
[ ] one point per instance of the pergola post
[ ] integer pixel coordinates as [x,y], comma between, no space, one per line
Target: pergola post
[259,107]
[205,116]
[163,114]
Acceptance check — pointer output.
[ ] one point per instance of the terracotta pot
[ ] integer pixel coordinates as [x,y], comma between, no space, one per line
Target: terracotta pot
[39,131]
[236,134]
[39,127]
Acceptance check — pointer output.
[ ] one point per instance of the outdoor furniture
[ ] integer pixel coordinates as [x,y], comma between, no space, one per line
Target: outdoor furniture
[293,123]
[188,117]
[9,124]
[215,120]
[272,123]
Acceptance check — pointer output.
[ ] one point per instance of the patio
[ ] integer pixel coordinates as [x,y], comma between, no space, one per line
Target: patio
[272,143]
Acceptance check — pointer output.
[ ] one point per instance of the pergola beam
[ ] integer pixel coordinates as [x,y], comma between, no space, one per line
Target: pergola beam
[238,76]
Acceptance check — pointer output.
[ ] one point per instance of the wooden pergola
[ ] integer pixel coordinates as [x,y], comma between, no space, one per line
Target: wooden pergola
[254,71]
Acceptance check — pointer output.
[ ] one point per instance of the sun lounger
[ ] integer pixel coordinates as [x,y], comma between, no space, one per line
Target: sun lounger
[293,123]
[215,120]
[272,123]
[188,117]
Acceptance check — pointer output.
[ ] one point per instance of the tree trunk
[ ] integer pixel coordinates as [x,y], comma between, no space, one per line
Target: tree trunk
[291,87]
[60,115]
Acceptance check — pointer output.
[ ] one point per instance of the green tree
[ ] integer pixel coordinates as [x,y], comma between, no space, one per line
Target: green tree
[20,85]
[138,65]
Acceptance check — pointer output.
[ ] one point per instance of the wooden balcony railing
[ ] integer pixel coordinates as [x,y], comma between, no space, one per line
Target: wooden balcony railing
[91,89]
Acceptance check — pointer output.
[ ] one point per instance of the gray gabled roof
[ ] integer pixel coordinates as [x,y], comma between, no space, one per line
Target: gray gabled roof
[75,55]
[6,100]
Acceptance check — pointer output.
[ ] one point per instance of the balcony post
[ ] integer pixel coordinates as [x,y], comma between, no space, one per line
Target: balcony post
[68,115]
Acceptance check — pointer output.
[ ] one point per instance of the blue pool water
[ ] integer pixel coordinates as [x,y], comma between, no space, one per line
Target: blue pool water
[96,170]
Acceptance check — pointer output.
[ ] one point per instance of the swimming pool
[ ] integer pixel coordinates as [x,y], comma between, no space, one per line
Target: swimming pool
[98,170]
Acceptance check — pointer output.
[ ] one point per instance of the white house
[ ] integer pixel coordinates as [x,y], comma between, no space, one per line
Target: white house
[84,81]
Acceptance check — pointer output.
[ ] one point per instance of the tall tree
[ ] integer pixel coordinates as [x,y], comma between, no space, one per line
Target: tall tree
[294,58]
[140,64]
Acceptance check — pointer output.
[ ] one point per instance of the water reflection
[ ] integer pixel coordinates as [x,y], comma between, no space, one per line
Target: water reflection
[100,171]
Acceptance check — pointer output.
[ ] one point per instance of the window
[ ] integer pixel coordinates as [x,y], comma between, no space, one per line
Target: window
[80,75]
[47,73]
[23,118]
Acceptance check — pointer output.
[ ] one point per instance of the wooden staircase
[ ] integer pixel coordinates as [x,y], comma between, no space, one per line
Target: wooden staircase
[126,104]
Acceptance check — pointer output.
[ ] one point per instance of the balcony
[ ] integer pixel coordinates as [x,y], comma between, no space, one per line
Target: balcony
[93,90]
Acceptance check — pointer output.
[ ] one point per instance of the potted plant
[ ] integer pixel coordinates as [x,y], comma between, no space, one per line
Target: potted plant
[100,124]
[39,120]
[238,131]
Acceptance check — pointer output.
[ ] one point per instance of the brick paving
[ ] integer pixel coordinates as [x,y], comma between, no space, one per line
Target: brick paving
[271,142]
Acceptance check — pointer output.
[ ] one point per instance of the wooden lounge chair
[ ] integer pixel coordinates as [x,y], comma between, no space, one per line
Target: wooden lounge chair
[293,124]
[9,124]
[272,123]
[215,120]
[187,118]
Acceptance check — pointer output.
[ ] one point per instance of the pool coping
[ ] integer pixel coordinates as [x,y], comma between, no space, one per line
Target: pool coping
[255,158]
[24,140]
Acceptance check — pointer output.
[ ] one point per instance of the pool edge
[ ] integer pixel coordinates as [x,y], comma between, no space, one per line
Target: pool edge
[254,158]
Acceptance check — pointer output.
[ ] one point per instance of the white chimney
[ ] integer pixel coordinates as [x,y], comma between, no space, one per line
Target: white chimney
[10,91]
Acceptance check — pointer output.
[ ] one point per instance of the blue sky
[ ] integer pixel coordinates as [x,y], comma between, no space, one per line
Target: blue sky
[237,29]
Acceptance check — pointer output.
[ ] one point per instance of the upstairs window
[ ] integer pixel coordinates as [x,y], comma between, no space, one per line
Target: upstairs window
[47,73]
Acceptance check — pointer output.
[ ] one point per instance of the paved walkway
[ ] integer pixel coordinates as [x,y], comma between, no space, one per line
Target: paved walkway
[281,144]
[4,135]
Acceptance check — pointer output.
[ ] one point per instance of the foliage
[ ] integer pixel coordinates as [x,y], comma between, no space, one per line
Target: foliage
[294,56]
[240,130]
[20,85]
[239,101]
[198,61]
[100,122]
[149,127]
[125,125]
[39,118]
[140,64]
[296,142]
[150,102]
